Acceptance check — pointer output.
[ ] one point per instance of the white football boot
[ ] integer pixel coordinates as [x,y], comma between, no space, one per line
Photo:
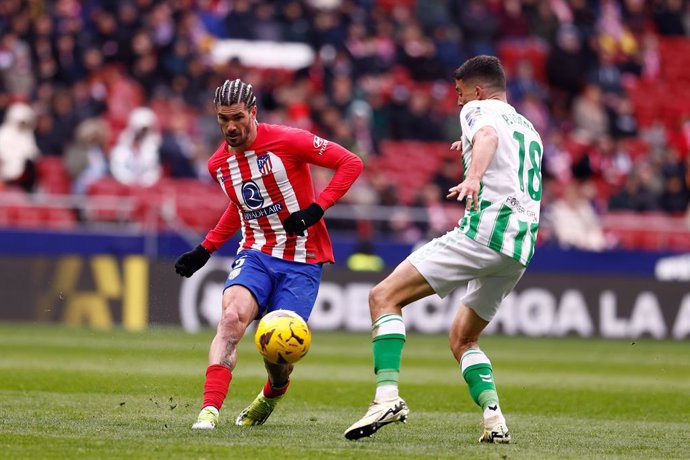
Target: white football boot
[495,430]
[207,420]
[380,413]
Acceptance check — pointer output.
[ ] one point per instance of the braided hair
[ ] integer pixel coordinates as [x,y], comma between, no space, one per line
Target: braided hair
[235,92]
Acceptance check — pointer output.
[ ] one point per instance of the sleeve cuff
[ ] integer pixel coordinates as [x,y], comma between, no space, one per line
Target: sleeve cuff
[323,203]
[210,247]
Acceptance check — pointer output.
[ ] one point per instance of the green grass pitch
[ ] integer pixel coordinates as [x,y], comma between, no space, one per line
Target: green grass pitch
[70,393]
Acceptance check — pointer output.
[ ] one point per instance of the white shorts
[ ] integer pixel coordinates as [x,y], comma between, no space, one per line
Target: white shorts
[454,260]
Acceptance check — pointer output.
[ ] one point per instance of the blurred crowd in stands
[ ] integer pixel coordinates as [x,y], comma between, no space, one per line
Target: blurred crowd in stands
[122,88]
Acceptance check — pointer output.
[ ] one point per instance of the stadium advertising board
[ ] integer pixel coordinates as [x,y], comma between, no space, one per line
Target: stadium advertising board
[103,291]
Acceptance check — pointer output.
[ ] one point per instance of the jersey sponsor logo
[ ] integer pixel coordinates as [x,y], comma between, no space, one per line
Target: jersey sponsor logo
[473,115]
[252,195]
[515,204]
[263,212]
[320,144]
[264,164]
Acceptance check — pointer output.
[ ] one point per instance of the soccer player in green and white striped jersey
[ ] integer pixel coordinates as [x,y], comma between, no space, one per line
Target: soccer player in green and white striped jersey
[488,251]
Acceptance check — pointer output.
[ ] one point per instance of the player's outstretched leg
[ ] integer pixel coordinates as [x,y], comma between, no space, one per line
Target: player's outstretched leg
[388,332]
[215,389]
[262,407]
[478,373]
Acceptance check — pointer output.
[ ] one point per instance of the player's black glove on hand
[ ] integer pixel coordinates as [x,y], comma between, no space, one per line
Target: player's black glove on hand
[297,222]
[191,261]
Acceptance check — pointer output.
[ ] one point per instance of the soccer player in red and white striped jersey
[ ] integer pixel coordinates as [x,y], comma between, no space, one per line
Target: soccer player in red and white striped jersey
[263,170]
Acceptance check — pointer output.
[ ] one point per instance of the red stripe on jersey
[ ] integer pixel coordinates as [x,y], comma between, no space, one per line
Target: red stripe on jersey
[277,197]
[264,223]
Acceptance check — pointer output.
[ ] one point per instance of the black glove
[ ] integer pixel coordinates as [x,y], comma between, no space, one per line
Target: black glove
[191,261]
[297,222]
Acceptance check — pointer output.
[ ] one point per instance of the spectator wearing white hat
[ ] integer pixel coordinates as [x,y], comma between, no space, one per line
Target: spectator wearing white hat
[18,149]
[135,158]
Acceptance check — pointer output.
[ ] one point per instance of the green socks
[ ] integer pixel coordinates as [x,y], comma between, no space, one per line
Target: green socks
[388,336]
[476,369]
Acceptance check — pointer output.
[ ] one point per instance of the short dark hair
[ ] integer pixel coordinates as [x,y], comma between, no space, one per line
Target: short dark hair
[235,92]
[487,69]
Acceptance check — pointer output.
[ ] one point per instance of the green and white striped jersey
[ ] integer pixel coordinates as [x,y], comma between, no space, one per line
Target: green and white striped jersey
[508,217]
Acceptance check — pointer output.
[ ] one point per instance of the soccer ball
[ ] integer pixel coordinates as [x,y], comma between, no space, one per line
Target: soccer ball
[282,337]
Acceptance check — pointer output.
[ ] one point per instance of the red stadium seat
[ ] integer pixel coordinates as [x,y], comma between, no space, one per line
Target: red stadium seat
[59,218]
[679,241]
[26,217]
[52,176]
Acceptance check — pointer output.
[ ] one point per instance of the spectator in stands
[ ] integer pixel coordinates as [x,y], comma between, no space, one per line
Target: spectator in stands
[640,192]
[417,53]
[622,118]
[544,22]
[536,111]
[296,26]
[448,175]
[360,114]
[448,45]
[515,23]
[605,74]
[64,114]
[18,149]
[615,40]
[403,228]
[674,197]
[15,66]
[135,158]
[523,83]
[480,28]
[418,121]
[438,219]
[85,158]
[668,17]
[556,161]
[614,162]
[49,139]
[177,148]
[574,220]
[239,21]
[566,65]
[589,115]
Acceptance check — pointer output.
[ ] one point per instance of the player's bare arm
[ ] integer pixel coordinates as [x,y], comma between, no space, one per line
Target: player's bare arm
[484,147]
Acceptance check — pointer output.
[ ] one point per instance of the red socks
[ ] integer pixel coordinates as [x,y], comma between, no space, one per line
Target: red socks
[218,380]
[271,392]
[216,385]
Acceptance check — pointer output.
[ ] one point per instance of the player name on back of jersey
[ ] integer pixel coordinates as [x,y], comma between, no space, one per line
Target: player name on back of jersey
[517,119]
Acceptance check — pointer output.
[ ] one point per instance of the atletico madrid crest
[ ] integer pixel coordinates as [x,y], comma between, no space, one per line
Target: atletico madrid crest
[264,164]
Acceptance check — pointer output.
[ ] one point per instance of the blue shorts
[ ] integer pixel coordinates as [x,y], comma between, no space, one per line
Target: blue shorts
[276,283]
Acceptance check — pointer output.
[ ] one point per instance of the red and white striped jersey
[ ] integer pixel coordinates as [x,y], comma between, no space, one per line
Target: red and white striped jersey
[271,180]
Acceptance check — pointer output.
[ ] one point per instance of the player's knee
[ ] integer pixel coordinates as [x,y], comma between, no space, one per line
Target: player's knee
[230,320]
[378,300]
